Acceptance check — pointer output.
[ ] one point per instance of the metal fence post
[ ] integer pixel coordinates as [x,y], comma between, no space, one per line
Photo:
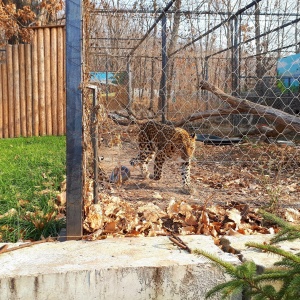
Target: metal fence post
[164,68]
[94,137]
[129,82]
[74,119]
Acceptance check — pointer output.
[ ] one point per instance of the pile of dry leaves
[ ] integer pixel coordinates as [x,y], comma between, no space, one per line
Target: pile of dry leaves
[115,217]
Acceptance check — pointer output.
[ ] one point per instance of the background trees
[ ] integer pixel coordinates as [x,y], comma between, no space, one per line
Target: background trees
[16,17]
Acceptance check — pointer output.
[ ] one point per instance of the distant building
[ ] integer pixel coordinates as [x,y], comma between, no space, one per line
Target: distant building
[113,91]
[100,77]
[288,73]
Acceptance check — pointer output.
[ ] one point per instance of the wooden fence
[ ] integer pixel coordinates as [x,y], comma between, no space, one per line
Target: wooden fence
[32,86]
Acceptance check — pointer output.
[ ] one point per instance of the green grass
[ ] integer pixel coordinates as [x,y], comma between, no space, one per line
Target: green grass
[31,170]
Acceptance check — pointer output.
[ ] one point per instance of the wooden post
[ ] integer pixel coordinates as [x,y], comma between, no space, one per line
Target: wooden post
[53,79]
[35,86]
[28,90]
[48,113]
[64,125]
[22,89]
[16,87]
[60,81]
[41,87]
[10,94]
[4,100]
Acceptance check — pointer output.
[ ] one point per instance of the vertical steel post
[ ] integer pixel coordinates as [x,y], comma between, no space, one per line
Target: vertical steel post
[152,86]
[239,53]
[74,118]
[235,119]
[206,75]
[94,135]
[106,80]
[235,56]
[164,67]
[129,82]
[206,68]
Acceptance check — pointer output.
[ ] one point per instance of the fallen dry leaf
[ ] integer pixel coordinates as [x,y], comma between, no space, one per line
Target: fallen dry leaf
[292,215]
[235,215]
[204,219]
[62,198]
[173,208]
[186,230]
[94,219]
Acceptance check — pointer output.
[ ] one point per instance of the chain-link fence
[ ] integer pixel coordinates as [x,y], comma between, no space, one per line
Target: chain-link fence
[226,71]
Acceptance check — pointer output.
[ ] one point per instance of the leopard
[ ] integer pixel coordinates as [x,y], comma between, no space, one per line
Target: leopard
[163,142]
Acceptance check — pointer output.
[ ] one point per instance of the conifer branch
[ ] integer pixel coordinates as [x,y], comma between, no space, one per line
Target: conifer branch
[276,250]
[245,279]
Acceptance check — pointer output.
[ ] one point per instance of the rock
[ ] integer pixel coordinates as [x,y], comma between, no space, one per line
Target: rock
[125,174]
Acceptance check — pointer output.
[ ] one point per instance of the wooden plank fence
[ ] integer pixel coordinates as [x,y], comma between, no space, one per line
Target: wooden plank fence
[32,86]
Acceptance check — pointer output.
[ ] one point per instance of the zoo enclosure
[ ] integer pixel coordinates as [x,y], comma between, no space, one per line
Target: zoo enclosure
[237,52]
[148,62]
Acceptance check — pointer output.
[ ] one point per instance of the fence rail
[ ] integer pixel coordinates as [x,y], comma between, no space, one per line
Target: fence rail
[32,86]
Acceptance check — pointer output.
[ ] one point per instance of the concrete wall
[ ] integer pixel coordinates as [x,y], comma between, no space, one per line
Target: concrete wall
[133,269]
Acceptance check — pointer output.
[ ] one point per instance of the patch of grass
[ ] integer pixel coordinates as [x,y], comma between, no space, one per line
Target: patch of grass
[31,170]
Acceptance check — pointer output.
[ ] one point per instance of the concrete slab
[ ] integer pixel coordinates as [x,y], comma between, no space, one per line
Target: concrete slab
[125,268]
[263,259]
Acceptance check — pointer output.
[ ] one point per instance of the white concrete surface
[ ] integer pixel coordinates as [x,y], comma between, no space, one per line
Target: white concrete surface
[263,259]
[114,269]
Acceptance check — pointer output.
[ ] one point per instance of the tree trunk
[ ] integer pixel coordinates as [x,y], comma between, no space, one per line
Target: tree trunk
[170,49]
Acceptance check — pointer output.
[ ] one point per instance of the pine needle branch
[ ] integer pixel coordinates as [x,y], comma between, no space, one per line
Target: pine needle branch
[288,231]
[229,268]
[275,250]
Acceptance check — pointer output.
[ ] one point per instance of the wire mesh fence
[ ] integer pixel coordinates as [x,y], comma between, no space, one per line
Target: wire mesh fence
[226,72]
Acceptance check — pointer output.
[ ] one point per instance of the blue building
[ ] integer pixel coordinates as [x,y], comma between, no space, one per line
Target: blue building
[288,73]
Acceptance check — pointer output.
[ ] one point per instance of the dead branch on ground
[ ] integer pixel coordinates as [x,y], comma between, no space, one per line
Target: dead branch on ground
[179,242]
[5,249]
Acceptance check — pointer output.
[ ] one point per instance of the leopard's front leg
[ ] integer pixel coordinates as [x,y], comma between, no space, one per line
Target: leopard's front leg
[186,177]
[143,160]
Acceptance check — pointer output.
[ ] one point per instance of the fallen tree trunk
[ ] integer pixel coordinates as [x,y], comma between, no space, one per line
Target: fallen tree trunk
[284,120]
[204,115]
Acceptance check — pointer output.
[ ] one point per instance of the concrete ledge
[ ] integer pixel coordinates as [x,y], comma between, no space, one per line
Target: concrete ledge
[260,258]
[125,268]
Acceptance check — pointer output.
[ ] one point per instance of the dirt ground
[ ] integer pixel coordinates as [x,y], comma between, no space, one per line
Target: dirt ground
[258,174]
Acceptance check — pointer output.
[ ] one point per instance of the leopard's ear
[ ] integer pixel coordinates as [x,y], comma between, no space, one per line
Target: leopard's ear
[193,135]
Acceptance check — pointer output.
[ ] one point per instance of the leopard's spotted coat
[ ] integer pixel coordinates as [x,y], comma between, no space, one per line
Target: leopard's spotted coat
[164,142]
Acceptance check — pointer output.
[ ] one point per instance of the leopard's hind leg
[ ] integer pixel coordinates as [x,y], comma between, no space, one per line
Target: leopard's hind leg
[159,160]
[143,159]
